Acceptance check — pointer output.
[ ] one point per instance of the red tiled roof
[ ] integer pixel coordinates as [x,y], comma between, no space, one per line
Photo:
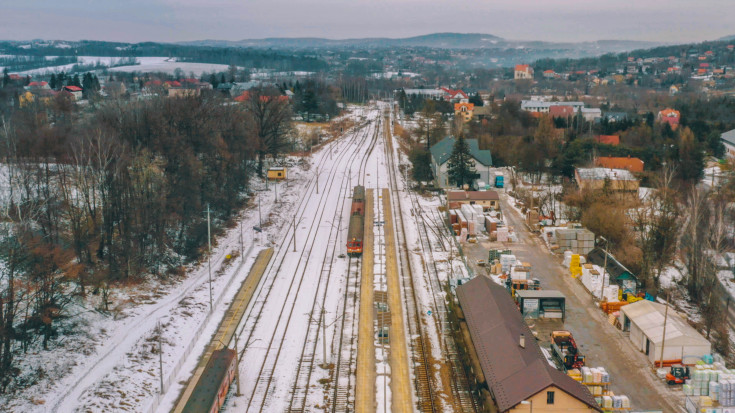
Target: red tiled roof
[631,164]
[522,68]
[173,83]
[73,88]
[557,111]
[41,83]
[608,139]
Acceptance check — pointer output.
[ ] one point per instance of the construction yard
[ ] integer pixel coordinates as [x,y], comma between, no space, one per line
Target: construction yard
[602,343]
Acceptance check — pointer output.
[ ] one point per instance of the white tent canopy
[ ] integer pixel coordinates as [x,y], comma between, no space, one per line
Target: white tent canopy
[646,319]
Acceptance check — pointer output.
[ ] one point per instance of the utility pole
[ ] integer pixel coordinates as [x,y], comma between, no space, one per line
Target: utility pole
[663,338]
[260,217]
[324,337]
[294,233]
[237,365]
[209,257]
[604,270]
[160,355]
[242,243]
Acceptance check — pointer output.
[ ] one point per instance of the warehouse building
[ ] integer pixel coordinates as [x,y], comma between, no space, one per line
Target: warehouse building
[514,375]
[645,321]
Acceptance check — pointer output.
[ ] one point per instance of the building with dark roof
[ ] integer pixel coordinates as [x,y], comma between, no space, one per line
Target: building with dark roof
[623,277]
[517,374]
[442,150]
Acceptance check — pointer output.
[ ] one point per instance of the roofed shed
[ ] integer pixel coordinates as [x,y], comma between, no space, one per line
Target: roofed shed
[645,321]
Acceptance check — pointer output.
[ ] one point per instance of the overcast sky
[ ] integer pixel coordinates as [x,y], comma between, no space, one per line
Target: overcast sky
[178,20]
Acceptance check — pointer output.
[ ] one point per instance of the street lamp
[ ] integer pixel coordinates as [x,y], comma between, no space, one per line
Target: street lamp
[530,403]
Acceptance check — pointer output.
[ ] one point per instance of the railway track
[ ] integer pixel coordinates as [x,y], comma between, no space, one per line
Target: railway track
[459,383]
[423,383]
[342,379]
[300,388]
[265,380]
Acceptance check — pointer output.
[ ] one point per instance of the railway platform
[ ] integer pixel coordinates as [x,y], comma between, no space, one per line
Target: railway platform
[226,329]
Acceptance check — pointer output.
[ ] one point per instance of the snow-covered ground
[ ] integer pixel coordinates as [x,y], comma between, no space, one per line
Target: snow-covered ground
[112,364]
[82,60]
[281,325]
[169,65]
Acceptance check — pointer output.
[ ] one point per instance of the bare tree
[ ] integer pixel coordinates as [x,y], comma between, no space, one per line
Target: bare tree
[269,120]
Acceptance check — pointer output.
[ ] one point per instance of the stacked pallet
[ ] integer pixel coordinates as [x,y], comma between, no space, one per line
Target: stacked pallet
[577,240]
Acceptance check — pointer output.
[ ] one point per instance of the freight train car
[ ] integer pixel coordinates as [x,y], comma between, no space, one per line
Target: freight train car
[214,383]
[357,222]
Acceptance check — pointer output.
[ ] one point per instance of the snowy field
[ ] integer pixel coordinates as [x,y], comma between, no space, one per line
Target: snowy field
[169,65]
[149,64]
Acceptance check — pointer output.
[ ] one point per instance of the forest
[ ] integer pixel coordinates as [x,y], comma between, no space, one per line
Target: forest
[93,199]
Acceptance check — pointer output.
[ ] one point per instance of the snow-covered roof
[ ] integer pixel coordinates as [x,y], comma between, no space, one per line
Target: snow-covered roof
[605,173]
[649,317]
[729,137]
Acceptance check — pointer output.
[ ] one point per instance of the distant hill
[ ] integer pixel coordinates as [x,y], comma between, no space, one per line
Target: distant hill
[727,38]
[435,40]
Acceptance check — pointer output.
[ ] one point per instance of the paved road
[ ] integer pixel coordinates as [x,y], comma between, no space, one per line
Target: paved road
[603,344]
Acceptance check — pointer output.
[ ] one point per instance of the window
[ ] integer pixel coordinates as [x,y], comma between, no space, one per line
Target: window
[549,397]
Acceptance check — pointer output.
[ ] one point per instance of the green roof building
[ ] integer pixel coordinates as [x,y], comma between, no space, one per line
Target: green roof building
[442,150]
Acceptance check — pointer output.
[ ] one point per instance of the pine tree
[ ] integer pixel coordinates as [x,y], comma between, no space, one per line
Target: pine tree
[52,81]
[6,77]
[461,166]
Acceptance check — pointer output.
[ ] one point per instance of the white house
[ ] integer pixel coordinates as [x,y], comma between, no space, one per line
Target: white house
[645,321]
[541,106]
[442,150]
[728,139]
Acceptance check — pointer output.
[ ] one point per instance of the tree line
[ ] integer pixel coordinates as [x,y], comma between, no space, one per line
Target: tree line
[95,199]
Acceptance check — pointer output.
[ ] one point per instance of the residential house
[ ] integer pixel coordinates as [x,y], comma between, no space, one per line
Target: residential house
[627,163]
[482,112]
[455,96]
[615,180]
[728,139]
[549,74]
[39,85]
[591,114]
[670,116]
[613,140]
[488,199]
[615,116]
[75,91]
[523,72]
[442,150]
[464,111]
[513,373]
